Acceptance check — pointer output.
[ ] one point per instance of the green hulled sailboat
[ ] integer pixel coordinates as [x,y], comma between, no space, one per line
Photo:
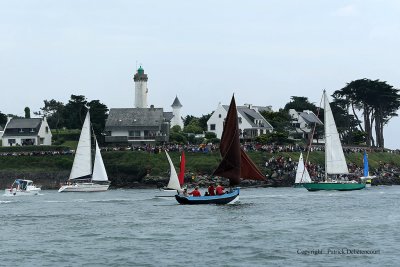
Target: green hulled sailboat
[335,162]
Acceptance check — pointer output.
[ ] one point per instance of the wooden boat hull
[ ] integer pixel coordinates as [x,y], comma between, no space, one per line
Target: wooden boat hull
[334,186]
[221,199]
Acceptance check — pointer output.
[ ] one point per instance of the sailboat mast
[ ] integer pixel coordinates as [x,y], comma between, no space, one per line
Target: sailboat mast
[325,130]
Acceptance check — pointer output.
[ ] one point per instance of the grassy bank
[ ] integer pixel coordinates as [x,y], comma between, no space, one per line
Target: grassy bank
[139,164]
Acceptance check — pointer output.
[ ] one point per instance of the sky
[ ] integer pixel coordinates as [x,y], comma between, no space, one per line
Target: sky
[263,51]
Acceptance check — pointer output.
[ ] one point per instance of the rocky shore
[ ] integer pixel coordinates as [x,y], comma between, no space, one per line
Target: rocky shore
[53,180]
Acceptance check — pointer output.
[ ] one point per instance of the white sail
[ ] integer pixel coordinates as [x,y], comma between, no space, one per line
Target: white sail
[99,171]
[335,162]
[173,179]
[302,175]
[82,165]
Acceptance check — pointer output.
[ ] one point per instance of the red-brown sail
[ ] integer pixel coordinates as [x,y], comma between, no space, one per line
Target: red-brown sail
[235,163]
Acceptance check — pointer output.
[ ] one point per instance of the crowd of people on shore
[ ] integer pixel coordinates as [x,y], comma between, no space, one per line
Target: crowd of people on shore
[276,166]
[202,148]
[280,166]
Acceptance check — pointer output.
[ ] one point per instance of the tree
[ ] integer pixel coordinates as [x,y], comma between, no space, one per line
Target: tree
[54,112]
[75,112]
[346,123]
[378,103]
[280,120]
[98,117]
[3,119]
[27,111]
[193,127]
[188,119]
[300,103]
[203,121]
[176,129]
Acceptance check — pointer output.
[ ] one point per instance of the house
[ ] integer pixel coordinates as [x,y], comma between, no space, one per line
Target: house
[251,122]
[1,131]
[22,132]
[304,122]
[137,125]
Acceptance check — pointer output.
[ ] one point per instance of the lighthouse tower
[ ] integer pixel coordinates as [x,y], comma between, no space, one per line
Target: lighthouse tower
[176,111]
[141,90]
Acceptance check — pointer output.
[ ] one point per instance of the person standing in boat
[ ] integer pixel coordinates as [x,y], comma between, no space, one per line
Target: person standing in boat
[195,192]
[219,190]
[211,190]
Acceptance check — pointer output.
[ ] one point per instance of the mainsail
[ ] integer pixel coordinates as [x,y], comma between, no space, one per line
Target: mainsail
[99,171]
[182,169]
[82,166]
[173,179]
[235,163]
[302,175]
[335,162]
[366,167]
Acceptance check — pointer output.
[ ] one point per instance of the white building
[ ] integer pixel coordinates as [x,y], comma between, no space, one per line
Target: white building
[23,132]
[251,122]
[137,125]
[176,111]
[141,90]
[304,122]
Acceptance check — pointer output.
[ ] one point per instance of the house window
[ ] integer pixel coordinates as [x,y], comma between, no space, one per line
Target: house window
[32,130]
[219,116]
[47,129]
[134,133]
[240,120]
[11,141]
[41,141]
[212,127]
[21,130]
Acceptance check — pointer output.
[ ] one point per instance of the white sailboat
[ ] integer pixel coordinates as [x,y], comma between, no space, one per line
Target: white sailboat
[335,162]
[173,183]
[302,175]
[82,177]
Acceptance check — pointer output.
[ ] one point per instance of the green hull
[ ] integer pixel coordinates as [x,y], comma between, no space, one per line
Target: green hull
[333,186]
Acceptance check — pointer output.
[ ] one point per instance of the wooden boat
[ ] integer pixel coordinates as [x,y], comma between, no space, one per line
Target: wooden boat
[235,164]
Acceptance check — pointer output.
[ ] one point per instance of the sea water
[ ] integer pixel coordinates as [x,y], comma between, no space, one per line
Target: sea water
[268,227]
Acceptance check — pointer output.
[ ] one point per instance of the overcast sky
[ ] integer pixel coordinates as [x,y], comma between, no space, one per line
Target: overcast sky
[203,51]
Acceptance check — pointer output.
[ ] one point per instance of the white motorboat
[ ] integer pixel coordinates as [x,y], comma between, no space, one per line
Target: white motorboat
[22,187]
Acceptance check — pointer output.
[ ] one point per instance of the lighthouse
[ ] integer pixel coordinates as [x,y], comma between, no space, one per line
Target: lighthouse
[141,90]
[176,111]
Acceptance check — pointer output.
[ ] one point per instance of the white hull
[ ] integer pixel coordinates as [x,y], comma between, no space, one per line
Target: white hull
[84,187]
[167,193]
[29,192]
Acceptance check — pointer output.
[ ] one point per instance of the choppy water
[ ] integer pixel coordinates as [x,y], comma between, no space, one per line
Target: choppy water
[269,227]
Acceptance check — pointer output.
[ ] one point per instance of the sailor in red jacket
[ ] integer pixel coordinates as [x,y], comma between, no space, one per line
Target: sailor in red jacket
[195,192]
[219,189]
[211,190]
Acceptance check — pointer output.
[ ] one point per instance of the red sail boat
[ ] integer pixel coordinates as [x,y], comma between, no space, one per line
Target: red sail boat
[235,163]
